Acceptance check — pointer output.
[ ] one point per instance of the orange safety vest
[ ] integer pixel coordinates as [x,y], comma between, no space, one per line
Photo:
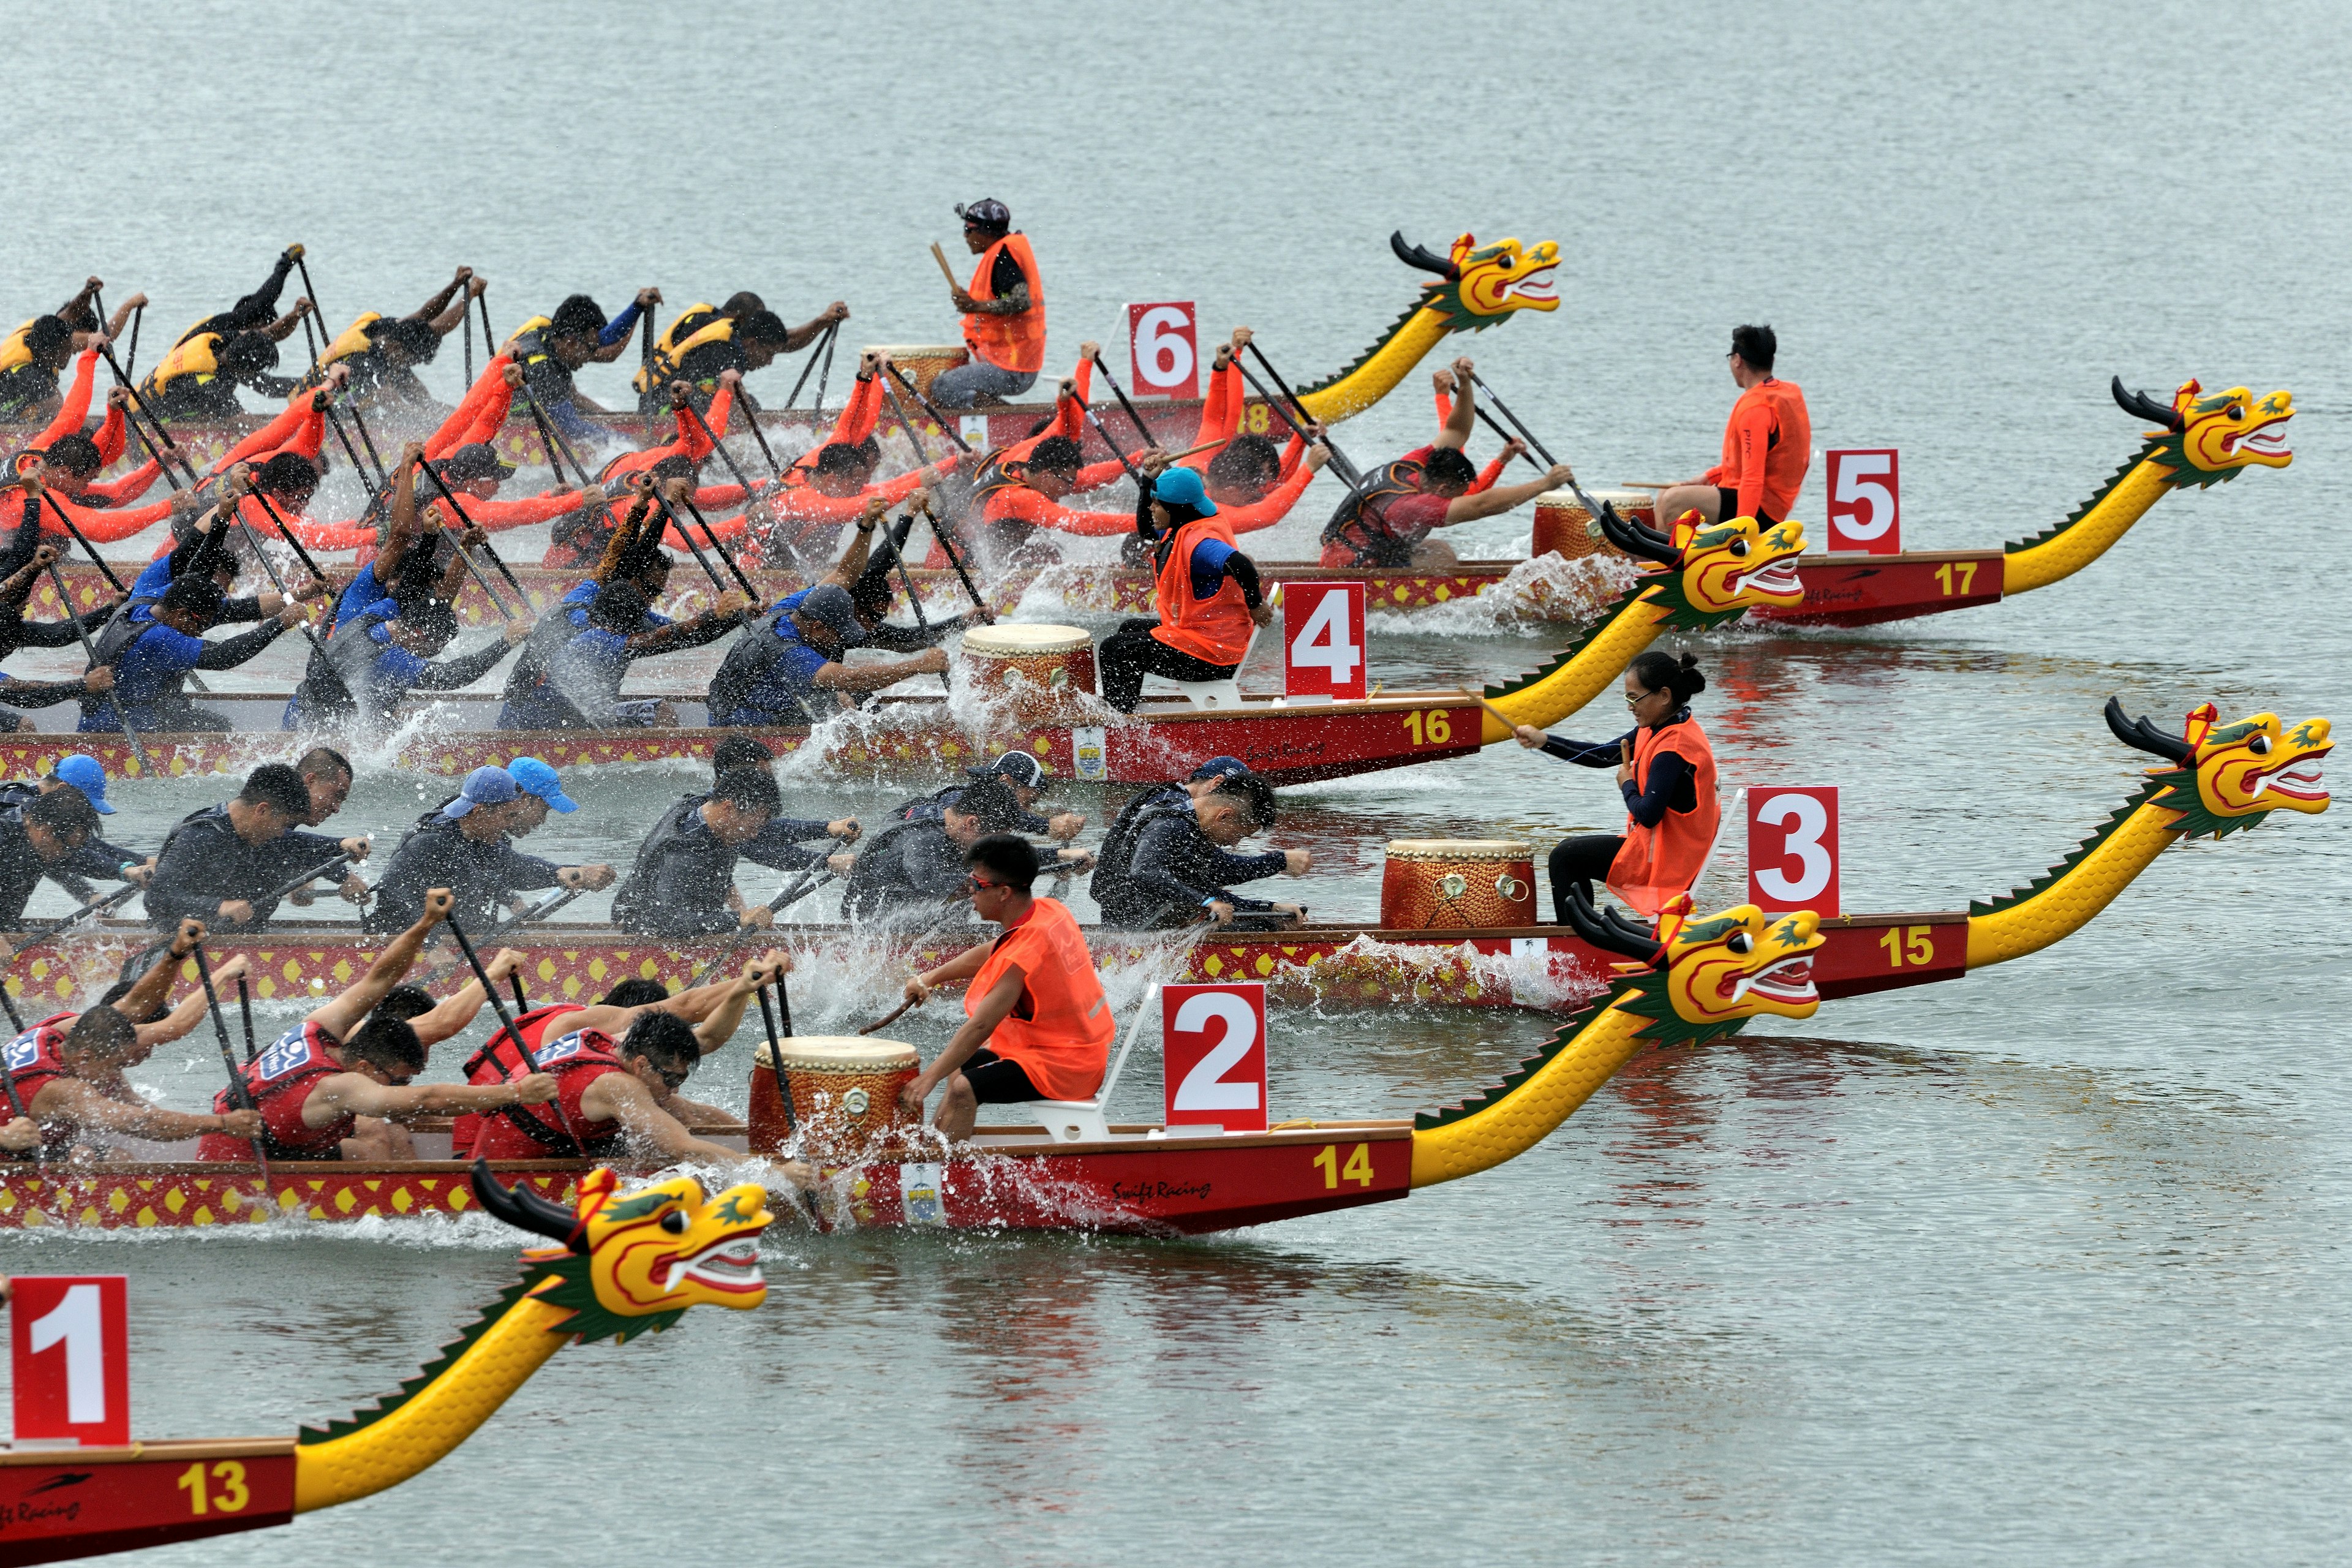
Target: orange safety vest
[1789,449]
[1016,344]
[1656,863]
[1059,1032]
[1214,630]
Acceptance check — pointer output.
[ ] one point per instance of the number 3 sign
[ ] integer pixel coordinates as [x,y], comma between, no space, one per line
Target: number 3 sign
[1214,1052]
[1866,501]
[1164,350]
[69,1354]
[1793,848]
[1323,640]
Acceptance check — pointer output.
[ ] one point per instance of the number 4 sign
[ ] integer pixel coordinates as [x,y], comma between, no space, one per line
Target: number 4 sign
[1323,643]
[1866,501]
[1213,1051]
[69,1354]
[1793,848]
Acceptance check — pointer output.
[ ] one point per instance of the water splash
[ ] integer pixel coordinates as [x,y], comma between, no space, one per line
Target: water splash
[1535,599]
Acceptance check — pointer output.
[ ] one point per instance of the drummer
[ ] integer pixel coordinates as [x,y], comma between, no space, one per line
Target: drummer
[1026,774]
[1666,769]
[1768,444]
[1207,595]
[1036,1023]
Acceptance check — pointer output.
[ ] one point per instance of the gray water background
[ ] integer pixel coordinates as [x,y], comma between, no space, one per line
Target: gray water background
[2046,1263]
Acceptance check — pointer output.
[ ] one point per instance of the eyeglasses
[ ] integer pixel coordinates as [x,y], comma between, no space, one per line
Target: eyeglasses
[673,1081]
[979,886]
[1644,696]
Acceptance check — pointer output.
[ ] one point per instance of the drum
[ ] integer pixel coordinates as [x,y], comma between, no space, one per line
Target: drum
[1038,668]
[844,1098]
[1446,884]
[1564,528]
[920,364]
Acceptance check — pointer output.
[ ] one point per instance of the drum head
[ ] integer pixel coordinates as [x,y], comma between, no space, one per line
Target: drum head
[1459,849]
[1004,640]
[840,1053]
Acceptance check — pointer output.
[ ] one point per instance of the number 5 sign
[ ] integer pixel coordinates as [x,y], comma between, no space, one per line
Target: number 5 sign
[1323,643]
[1793,848]
[69,1353]
[1164,350]
[1214,1052]
[1866,501]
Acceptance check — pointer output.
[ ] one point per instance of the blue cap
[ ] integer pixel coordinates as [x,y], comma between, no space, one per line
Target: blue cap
[1221,768]
[534,777]
[85,775]
[1183,487]
[483,786]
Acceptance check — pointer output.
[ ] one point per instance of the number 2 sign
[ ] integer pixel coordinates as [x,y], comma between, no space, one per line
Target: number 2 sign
[69,1355]
[1793,848]
[1214,1052]
[1323,643]
[1164,349]
[1866,501]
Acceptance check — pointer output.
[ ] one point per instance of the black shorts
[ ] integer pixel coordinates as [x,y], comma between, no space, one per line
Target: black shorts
[1727,507]
[997,1081]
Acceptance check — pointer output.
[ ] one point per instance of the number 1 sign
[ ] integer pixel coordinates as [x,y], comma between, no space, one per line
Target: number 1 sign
[1323,651]
[1793,848]
[1866,501]
[69,1354]
[1214,1055]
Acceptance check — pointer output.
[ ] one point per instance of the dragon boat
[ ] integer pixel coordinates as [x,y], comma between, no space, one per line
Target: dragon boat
[622,1265]
[1699,980]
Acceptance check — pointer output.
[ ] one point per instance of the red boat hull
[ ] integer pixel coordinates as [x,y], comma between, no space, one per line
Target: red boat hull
[57,1504]
[1864,590]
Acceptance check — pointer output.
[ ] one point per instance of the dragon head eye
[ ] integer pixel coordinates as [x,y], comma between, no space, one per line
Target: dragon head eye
[675,1222]
[2260,745]
[2235,412]
[1741,942]
[1740,547]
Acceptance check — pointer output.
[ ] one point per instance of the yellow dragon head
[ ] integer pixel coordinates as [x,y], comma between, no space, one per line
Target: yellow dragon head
[2207,440]
[1479,285]
[1706,975]
[2223,777]
[1706,573]
[634,1261]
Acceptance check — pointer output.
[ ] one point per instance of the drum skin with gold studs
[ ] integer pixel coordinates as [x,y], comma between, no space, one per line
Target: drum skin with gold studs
[1444,884]
[844,1098]
[922,363]
[1039,667]
[1564,528]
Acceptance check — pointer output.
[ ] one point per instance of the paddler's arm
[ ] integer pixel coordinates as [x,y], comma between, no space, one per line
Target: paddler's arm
[356,1094]
[193,1008]
[834,676]
[987,1012]
[954,971]
[155,984]
[441,315]
[452,1016]
[861,548]
[341,1016]
[800,337]
[719,1027]
[619,1097]
[614,337]
[71,1100]
[1463,418]
[1503,498]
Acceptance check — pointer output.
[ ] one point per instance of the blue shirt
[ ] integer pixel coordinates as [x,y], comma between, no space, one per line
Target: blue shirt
[1209,558]
[792,676]
[365,590]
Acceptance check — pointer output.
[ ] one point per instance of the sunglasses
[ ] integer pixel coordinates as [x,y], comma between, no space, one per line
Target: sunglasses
[673,1081]
[979,886]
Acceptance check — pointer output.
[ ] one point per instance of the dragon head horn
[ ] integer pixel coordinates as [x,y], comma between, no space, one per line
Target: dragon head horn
[2141,735]
[2140,406]
[1415,256]
[526,1210]
[1611,932]
[1634,539]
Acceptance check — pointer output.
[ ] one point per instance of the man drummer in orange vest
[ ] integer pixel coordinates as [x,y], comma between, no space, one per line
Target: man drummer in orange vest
[1207,593]
[1768,444]
[1004,314]
[1037,1025]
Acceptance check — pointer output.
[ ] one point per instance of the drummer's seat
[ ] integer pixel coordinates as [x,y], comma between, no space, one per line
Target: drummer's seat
[1225,693]
[1072,1120]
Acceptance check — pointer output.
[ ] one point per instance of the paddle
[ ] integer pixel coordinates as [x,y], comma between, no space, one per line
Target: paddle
[1096,420]
[825,374]
[545,908]
[489,343]
[360,424]
[307,877]
[88,549]
[522,599]
[278,583]
[1142,428]
[646,363]
[947,547]
[522,1047]
[467,325]
[776,906]
[239,1092]
[130,418]
[522,1002]
[946,425]
[915,603]
[115,899]
[783,1078]
[245,1005]
[138,317]
[1348,473]
[15,1021]
[720,547]
[311,342]
[90,651]
[303,261]
[288,536]
[700,560]
[720,447]
[807,365]
[1592,507]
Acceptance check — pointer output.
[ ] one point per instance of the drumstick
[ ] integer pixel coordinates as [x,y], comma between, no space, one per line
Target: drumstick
[884,1023]
[1638,485]
[1203,447]
[945,270]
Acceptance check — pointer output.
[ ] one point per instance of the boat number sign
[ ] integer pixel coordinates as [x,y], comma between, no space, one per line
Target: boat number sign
[1793,848]
[1164,349]
[69,1355]
[1214,1055]
[1323,641]
[1865,500]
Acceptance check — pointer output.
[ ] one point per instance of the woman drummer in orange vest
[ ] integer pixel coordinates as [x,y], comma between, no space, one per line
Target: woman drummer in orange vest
[1004,313]
[1037,1025]
[1667,771]
[1207,595]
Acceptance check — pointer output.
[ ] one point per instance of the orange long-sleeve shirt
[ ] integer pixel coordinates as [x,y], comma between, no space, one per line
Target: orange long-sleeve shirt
[1271,508]
[483,408]
[1768,446]
[298,427]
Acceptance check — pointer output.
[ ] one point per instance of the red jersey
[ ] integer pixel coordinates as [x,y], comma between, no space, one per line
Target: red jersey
[480,1069]
[280,1081]
[537,1132]
[33,1064]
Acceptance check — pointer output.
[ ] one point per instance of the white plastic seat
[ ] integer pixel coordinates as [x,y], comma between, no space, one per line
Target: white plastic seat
[1225,693]
[1072,1120]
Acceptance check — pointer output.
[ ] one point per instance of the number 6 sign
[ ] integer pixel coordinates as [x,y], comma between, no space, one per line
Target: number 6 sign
[1793,848]
[1214,1055]
[69,1355]
[1866,501]
[1323,644]
[1164,349]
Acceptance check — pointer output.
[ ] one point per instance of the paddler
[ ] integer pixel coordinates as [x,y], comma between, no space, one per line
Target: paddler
[1181,870]
[43,837]
[584,675]
[222,864]
[34,356]
[1768,444]
[467,846]
[1012,497]
[1036,1024]
[1206,593]
[551,348]
[1386,522]
[1115,855]
[916,868]
[683,880]
[336,1087]
[69,1071]
[198,377]
[383,351]
[381,653]
[1004,313]
[97,858]
[1666,769]
[17,631]
[742,335]
[1253,483]
[1026,774]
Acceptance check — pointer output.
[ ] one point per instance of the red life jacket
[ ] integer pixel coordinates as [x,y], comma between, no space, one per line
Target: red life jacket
[537,1132]
[33,1063]
[1214,630]
[466,1129]
[279,1080]
[1361,521]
